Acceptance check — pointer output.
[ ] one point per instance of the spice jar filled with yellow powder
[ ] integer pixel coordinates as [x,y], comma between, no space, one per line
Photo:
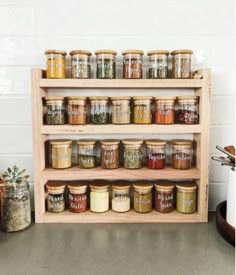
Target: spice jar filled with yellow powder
[77,110]
[142,110]
[120,110]
[182,154]
[143,197]
[181,63]
[120,196]
[110,154]
[99,197]
[80,64]
[56,196]
[186,200]
[87,154]
[61,154]
[56,64]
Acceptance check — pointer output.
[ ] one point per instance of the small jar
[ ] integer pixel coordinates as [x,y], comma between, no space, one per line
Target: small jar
[158,64]
[87,154]
[164,196]
[55,110]
[186,197]
[187,110]
[56,196]
[133,157]
[120,110]
[182,155]
[156,154]
[165,110]
[78,199]
[120,197]
[99,197]
[110,154]
[142,110]
[133,64]
[181,63]
[99,110]
[61,154]
[143,197]
[80,64]
[77,110]
[56,64]
[106,64]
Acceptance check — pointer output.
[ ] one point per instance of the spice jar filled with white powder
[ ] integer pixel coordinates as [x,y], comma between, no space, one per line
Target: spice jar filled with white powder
[120,196]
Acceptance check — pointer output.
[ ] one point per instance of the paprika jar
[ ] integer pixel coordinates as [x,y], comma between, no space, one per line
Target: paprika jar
[132,153]
[133,64]
[55,110]
[56,64]
[143,197]
[80,64]
[142,110]
[164,196]
[120,110]
[181,63]
[158,63]
[106,64]
[87,154]
[99,110]
[110,154]
[120,197]
[156,154]
[61,153]
[76,110]
[187,110]
[78,199]
[165,110]
[186,197]
[99,197]
[56,196]
[182,155]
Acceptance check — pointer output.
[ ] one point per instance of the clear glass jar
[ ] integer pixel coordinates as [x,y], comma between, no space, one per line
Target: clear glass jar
[164,196]
[56,64]
[78,199]
[158,64]
[187,110]
[56,197]
[142,110]
[143,197]
[87,154]
[110,154]
[165,110]
[61,154]
[181,63]
[182,154]
[55,110]
[99,110]
[77,110]
[133,157]
[106,64]
[156,154]
[186,197]
[99,197]
[121,110]
[133,64]
[80,64]
[120,197]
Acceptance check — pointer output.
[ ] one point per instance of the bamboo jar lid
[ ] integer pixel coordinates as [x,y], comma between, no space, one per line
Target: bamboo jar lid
[164,186]
[143,186]
[132,142]
[121,98]
[157,142]
[173,98]
[59,142]
[133,51]
[98,98]
[121,185]
[84,142]
[165,52]
[110,142]
[80,52]
[55,187]
[77,188]
[105,51]
[182,51]
[186,186]
[51,51]
[182,142]
[99,186]
[142,98]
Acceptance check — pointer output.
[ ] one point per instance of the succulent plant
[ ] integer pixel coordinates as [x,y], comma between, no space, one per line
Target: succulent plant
[15,176]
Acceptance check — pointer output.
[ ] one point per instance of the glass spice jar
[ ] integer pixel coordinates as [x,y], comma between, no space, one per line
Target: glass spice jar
[78,200]
[156,154]
[181,63]
[110,154]
[187,110]
[55,110]
[106,64]
[164,196]
[80,64]
[186,197]
[143,197]
[61,153]
[142,110]
[99,110]
[77,110]
[121,110]
[133,64]
[133,157]
[99,197]
[56,196]
[56,64]
[158,63]
[120,196]
[87,154]
[182,154]
[165,110]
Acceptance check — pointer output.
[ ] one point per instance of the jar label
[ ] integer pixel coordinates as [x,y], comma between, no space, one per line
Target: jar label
[183,157]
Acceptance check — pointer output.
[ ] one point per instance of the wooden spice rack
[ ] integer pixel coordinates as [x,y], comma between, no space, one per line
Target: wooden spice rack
[201,134]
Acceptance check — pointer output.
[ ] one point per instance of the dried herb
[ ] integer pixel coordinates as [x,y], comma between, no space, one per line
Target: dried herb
[86,161]
[100,118]
[106,68]
[132,158]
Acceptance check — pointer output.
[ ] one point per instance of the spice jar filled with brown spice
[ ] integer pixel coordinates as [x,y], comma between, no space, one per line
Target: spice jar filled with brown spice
[181,63]
[120,110]
[77,110]
[110,154]
[143,197]
[187,110]
[182,154]
[87,154]
[133,157]
[165,110]
[61,154]
[56,64]
[156,154]
[133,64]
[142,110]
[158,63]
[80,64]
[164,196]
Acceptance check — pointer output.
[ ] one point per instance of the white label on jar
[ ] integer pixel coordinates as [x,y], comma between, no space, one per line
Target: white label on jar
[165,197]
[156,157]
[56,198]
[81,112]
[55,113]
[183,157]
[121,204]
[128,156]
[144,202]
[99,201]
[60,157]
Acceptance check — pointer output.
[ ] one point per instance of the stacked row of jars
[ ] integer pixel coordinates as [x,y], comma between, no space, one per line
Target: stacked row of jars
[164,197]
[106,64]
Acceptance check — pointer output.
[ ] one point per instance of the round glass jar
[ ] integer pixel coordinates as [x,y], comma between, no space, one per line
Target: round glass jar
[99,197]
[156,154]
[133,64]
[87,154]
[99,110]
[77,110]
[186,200]
[61,154]
[120,110]
[110,154]
[181,63]
[120,197]
[80,64]
[143,197]
[106,64]
[78,199]
[165,110]
[164,196]
[182,154]
[142,110]
[56,196]
[187,110]
[55,110]
[158,64]
[133,157]
[56,64]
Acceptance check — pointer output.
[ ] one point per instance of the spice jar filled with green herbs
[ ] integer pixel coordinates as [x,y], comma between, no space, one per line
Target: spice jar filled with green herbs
[80,64]
[106,64]
[158,63]
[99,110]
[132,154]
[55,110]
[110,154]
[56,196]
[186,197]
[87,154]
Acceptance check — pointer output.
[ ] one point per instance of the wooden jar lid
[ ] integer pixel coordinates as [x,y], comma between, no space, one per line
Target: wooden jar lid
[158,142]
[186,186]
[84,142]
[121,98]
[132,142]
[183,51]
[105,51]
[80,52]
[142,97]
[187,98]
[173,98]
[99,185]
[110,142]
[76,97]
[60,142]
[55,187]
[182,142]
[133,51]
[77,187]
[98,98]
[50,51]
[54,98]
[158,52]
[165,186]
[121,185]
[143,186]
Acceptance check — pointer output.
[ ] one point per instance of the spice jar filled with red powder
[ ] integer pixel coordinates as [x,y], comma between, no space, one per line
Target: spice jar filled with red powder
[188,110]
[164,196]
[182,154]
[156,154]
[78,200]
[165,110]
[133,64]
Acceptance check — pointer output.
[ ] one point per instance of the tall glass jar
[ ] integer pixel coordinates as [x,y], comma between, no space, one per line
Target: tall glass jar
[156,154]
[78,199]
[181,63]
[61,154]
[106,64]
[77,110]
[165,110]
[99,110]
[56,64]
[99,197]
[110,154]
[133,157]
[142,109]
[182,154]
[143,197]
[164,196]
[120,196]
[87,154]
[80,64]
[187,110]
[121,110]
[55,110]
[186,200]
[133,64]
[158,63]
[56,197]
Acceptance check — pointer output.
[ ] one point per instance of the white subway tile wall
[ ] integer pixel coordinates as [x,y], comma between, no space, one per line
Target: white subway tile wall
[30,27]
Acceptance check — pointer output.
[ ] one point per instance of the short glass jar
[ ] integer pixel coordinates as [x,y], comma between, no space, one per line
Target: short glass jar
[61,154]
[99,113]
[142,110]
[56,64]
[186,200]
[80,64]
[133,64]
[182,154]
[110,154]
[120,110]
[165,110]
[106,64]
[187,110]
[55,110]
[78,199]
[87,154]
[158,63]
[120,197]
[77,110]
[156,154]
[164,196]
[143,197]
[99,197]
[56,197]
[181,63]
[132,155]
